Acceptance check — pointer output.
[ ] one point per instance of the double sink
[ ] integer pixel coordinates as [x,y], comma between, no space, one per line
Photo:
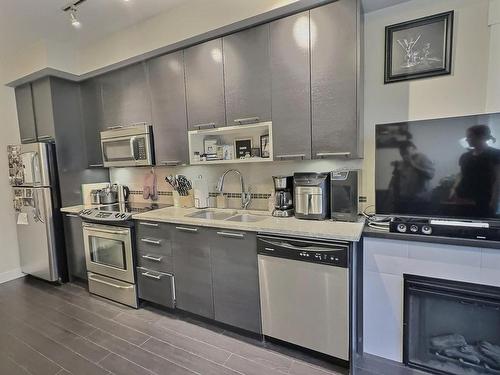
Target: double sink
[234,216]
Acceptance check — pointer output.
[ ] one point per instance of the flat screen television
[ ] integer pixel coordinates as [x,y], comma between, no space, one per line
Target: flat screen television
[445,168]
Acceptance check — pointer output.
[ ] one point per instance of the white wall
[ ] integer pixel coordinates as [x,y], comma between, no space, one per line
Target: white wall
[493,98]
[463,92]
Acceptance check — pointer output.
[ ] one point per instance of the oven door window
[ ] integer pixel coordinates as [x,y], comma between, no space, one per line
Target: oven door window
[108,252]
[118,150]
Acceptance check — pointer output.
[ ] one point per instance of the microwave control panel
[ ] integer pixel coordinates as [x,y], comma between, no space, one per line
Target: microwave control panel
[141,149]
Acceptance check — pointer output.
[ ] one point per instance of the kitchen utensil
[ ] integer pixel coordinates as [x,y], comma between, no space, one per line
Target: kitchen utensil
[94,196]
[108,195]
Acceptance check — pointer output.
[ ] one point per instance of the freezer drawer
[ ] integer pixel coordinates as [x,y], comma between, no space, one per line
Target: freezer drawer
[115,290]
[305,304]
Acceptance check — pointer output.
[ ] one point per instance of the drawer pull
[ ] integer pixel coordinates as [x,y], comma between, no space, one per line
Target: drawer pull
[186,229]
[326,154]
[72,215]
[154,259]
[149,224]
[232,235]
[152,242]
[171,163]
[268,249]
[151,276]
[43,137]
[96,165]
[291,156]
[247,120]
[115,127]
[205,126]
[28,139]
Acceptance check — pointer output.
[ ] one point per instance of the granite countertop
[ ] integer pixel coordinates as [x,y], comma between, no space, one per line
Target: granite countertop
[292,226]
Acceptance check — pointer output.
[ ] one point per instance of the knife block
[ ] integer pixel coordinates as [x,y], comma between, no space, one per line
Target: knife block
[183,201]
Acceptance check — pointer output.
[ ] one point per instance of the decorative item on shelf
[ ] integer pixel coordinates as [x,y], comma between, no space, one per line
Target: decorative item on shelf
[197,157]
[419,48]
[220,152]
[264,146]
[242,147]
[228,152]
[255,152]
[210,147]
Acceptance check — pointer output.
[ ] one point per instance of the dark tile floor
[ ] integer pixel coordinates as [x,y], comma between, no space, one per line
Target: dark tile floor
[51,330]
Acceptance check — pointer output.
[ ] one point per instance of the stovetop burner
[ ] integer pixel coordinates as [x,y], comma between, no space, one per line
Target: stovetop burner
[118,212]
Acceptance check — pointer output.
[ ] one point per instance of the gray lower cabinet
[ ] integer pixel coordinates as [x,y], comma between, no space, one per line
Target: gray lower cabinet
[334,64]
[168,95]
[93,121]
[192,269]
[25,113]
[205,85]
[291,87]
[247,76]
[44,110]
[156,287]
[75,247]
[236,279]
[125,96]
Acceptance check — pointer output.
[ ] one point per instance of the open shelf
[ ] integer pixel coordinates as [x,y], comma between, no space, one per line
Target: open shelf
[225,138]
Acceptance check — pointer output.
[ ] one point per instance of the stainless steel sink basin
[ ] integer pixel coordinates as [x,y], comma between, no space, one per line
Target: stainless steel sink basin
[211,215]
[246,218]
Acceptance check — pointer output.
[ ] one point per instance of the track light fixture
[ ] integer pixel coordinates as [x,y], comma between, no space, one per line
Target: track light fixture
[74,18]
[72,9]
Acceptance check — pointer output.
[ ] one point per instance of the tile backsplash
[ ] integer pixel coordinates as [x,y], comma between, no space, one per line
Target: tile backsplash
[257,176]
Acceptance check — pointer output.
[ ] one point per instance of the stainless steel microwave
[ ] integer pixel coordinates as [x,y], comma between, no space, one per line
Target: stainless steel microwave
[130,146]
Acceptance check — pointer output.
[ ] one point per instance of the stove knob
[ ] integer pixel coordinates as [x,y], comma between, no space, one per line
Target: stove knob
[401,228]
[117,215]
[123,216]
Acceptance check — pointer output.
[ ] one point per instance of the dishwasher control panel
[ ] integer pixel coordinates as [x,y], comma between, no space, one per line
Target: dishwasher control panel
[334,254]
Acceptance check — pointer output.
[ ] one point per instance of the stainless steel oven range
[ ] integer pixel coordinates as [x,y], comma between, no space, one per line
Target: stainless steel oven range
[108,233]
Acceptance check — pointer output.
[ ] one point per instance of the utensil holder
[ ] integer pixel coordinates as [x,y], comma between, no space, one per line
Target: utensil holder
[186,201]
[177,198]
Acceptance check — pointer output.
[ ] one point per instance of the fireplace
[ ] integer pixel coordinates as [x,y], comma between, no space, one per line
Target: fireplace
[451,327]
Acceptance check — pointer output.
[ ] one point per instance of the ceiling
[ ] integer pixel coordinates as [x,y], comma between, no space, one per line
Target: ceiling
[25,22]
[372,5]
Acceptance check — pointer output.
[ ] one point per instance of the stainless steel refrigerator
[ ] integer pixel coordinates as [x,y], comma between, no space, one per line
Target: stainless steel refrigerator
[33,175]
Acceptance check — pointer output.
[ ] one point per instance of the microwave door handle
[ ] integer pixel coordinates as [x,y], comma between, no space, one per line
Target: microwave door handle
[309,202]
[133,141]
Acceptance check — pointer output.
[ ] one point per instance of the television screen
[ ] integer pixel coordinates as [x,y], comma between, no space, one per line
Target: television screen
[446,168]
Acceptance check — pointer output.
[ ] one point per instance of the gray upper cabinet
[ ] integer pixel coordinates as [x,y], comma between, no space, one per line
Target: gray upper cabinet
[247,76]
[192,269]
[334,60]
[125,96]
[93,122]
[291,87]
[236,279]
[44,111]
[205,85]
[168,95]
[25,113]
[75,249]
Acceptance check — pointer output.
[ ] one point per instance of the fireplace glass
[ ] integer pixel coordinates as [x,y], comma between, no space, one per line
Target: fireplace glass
[451,327]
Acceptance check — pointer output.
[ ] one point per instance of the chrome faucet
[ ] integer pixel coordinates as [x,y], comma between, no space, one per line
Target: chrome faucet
[246,196]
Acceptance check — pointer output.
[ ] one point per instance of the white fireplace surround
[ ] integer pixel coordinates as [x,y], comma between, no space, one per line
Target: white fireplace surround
[385,262]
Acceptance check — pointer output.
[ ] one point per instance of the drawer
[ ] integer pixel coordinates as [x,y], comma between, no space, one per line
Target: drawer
[155,261]
[156,287]
[147,229]
[115,290]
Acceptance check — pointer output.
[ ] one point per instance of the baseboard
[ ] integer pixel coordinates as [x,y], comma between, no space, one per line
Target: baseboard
[11,275]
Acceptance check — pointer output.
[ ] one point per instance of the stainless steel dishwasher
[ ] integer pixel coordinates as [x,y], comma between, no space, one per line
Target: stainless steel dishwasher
[304,292]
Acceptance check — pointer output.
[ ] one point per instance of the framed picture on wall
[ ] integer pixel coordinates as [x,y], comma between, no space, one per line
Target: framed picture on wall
[243,147]
[419,48]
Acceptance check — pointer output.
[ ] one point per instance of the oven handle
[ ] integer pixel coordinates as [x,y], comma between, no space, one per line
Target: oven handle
[93,229]
[109,284]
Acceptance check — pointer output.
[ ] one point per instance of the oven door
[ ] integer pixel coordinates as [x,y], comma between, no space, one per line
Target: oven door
[108,251]
[127,151]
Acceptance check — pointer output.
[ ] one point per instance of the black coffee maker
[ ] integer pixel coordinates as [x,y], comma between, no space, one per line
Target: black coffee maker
[283,196]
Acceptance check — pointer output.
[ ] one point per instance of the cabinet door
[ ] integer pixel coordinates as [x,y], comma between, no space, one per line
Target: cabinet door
[93,122]
[75,249]
[44,111]
[333,79]
[236,279]
[125,96]
[247,76]
[168,95]
[291,87]
[192,269]
[25,113]
[205,85]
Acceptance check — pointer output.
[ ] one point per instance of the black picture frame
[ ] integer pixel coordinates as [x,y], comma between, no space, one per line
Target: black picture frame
[242,146]
[264,146]
[424,54]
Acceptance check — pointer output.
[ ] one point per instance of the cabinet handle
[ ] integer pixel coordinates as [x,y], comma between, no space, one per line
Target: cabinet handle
[28,139]
[115,127]
[153,242]
[45,137]
[247,120]
[186,229]
[291,156]
[229,234]
[137,123]
[96,165]
[204,126]
[172,163]
[151,276]
[71,215]
[91,277]
[149,224]
[326,154]
[150,257]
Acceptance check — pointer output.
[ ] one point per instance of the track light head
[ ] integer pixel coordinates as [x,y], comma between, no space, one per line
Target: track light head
[74,18]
